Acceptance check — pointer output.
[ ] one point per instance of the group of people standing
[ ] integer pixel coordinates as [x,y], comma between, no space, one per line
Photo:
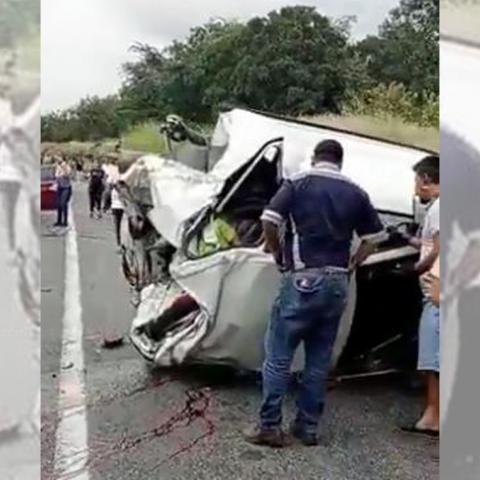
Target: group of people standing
[102,193]
[101,180]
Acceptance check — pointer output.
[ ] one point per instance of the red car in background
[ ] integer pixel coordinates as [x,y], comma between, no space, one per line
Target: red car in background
[48,191]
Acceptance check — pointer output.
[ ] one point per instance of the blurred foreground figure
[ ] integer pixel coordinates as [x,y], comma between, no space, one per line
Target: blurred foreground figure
[460,269]
[10,174]
[20,265]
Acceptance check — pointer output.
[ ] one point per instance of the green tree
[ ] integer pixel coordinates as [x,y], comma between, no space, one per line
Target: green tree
[98,118]
[295,61]
[406,49]
[92,119]
[141,97]
[292,61]
[177,78]
[57,127]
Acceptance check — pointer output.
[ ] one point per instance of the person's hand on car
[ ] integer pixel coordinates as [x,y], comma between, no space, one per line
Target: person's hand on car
[277,257]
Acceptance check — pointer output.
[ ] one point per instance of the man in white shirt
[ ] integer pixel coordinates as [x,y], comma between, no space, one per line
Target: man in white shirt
[427,188]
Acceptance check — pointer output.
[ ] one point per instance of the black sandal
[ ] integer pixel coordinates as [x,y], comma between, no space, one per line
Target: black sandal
[420,431]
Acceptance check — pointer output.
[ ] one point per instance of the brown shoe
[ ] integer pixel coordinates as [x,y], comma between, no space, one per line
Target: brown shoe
[307,439]
[268,438]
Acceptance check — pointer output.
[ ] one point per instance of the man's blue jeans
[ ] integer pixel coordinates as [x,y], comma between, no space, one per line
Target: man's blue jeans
[63,198]
[308,309]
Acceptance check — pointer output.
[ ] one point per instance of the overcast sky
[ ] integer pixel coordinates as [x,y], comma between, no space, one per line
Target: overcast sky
[85,42]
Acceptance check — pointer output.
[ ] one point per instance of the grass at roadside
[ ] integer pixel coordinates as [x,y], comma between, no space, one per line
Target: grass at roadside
[391,129]
[145,138]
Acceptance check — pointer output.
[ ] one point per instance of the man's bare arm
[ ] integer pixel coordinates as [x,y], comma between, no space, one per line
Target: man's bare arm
[364,251]
[433,284]
[272,240]
[426,264]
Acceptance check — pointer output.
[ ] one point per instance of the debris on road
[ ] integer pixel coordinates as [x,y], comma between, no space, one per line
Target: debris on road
[111,343]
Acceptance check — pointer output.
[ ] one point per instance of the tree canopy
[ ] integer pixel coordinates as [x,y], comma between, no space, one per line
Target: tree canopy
[92,119]
[292,61]
[406,49]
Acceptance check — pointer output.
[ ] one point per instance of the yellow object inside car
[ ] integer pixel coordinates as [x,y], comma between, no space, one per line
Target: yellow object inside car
[218,235]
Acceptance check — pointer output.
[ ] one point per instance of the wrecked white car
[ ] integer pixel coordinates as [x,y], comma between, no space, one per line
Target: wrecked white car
[173,208]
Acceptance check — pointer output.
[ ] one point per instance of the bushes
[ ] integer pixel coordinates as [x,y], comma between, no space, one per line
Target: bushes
[93,119]
[395,101]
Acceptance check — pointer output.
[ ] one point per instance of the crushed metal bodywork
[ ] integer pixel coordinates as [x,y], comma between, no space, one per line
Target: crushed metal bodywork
[170,204]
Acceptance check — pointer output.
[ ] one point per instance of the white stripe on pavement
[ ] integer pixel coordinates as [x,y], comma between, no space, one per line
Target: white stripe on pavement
[71,452]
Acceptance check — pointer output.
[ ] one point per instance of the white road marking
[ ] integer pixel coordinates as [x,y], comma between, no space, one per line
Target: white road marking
[71,452]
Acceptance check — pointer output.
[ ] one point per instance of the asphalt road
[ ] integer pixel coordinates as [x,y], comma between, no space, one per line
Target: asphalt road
[144,424]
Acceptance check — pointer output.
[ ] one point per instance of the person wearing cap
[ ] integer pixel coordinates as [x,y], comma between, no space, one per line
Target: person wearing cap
[309,226]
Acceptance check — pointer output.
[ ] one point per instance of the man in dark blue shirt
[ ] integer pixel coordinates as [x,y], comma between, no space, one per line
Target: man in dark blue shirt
[309,227]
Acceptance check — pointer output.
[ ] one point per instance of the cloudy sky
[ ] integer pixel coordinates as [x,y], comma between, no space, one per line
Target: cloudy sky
[85,42]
